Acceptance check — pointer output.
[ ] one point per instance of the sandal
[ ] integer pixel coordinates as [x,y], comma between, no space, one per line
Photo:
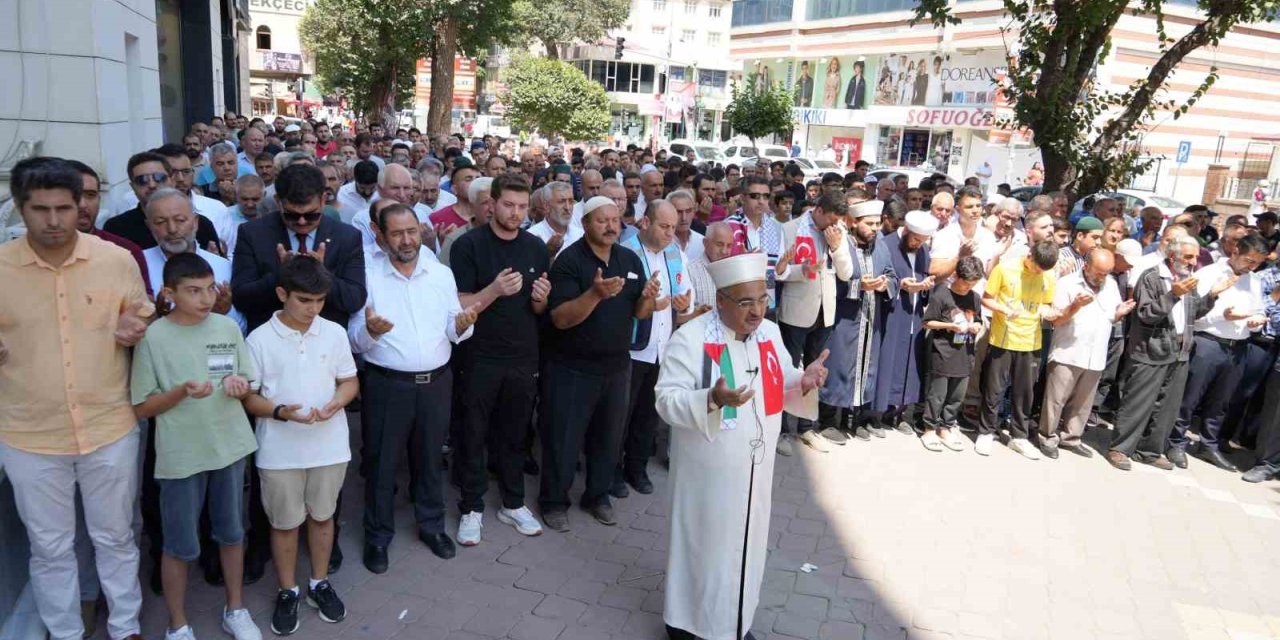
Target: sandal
[931,441]
[953,440]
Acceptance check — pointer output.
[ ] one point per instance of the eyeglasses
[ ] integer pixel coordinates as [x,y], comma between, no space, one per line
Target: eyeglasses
[747,304]
[758,196]
[144,179]
[185,172]
[296,216]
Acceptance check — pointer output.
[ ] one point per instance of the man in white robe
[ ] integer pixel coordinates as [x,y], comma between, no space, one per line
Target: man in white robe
[722,387]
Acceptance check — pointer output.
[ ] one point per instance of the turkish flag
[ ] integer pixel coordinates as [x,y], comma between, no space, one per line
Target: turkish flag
[806,253]
[773,379]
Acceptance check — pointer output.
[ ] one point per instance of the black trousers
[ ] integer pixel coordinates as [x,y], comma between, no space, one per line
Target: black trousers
[1269,437]
[942,400]
[642,421]
[1244,407]
[805,344]
[405,418]
[1152,395]
[580,411]
[1001,367]
[1212,379]
[496,403]
[1107,398]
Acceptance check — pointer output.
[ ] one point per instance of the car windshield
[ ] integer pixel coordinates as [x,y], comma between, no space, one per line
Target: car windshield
[776,153]
[825,164]
[709,152]
[1161,201]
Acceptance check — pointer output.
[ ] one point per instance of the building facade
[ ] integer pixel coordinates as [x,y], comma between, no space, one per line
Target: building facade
[672,80]
[878,89]
[279,70]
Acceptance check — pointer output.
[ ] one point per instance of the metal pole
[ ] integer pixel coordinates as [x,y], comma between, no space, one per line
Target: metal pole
[1176,172]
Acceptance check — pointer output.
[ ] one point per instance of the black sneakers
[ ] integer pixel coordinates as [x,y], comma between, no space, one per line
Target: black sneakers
[324,598]
[284,621]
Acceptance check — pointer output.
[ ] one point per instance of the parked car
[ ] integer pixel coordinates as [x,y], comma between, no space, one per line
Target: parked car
[1025,194]
[914,176]
[736,152]
[1134,198]
[703,151]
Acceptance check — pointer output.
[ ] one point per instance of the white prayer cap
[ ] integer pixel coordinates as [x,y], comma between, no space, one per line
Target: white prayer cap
[922,223]
[744,267]
[596,203]
[994,199]
[292,128]
[870,180]
[1129,248]
[871,207]
[648,168]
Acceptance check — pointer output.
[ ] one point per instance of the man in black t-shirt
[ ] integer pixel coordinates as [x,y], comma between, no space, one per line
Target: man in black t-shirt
[503,269]
[597,288]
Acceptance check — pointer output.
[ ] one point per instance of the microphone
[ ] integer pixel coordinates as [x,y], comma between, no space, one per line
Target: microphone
[753,371]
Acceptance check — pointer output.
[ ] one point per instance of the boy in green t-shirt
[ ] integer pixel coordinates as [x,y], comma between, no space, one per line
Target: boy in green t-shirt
[202,435]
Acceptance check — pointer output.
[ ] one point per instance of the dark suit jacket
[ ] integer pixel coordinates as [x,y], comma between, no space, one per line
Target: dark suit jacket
[855,96]
[255,269]
[132,226]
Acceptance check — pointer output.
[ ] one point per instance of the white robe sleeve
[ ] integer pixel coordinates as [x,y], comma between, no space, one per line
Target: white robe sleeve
[679,400]
[794,402]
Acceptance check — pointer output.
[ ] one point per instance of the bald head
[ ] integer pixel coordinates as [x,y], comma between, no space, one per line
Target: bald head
[718,242]
[591,183]
[395,182]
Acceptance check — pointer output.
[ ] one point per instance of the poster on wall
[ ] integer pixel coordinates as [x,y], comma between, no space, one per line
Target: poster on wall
[804,85]
[848,150]
[935,79]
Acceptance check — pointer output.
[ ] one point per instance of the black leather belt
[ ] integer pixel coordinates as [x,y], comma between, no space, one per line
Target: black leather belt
[1262,340]
[424,377]
[1226,342]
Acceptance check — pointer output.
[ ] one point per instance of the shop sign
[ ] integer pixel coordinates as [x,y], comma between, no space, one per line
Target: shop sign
[969,118]
[829,117]
[287,7]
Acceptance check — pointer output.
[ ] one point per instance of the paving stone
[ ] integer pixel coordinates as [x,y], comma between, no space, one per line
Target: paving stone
[560,608]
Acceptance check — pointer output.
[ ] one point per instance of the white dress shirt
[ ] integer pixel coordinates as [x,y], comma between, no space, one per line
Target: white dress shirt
[301,368]
[1245,297]
[233,234]
[661,323]
[364,223]
[1082,342]
[694,249]
[350,202]
[216,212]
[421,308]
[221,274]
[544,232]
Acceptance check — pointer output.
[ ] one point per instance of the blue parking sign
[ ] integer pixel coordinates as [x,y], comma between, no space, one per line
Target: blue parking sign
[1184,151]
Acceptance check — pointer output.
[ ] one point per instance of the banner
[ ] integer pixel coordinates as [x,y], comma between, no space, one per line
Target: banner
[279,61]
[939,80]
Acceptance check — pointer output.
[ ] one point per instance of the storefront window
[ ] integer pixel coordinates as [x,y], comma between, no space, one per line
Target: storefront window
[899,147]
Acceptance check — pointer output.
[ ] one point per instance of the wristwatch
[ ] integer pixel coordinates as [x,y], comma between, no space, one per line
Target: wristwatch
[275,413]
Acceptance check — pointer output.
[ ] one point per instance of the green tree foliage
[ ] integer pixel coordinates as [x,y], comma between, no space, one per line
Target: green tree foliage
[1089,137]
[558,22]
[757,110]
[556,98]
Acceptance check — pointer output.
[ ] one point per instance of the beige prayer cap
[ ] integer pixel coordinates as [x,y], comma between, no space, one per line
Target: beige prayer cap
[871,207]
[744,267]
[596,203]
[922,223]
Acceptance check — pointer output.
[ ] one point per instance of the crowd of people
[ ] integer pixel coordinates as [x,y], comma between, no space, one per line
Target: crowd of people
[491,310]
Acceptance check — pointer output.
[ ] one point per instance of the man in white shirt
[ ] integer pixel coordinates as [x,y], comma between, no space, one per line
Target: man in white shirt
[406,332]
[173,223]
[394,183]
[967,237]
[1221,344]
[557,229]
[592,183]
[661,257]
[182,177]
[249,195]
[690,241]
[357,195]
[651,188]
[1090,304]
[431,198]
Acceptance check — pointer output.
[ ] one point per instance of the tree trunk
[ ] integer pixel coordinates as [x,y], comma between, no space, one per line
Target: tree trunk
[553,51]
[439,116]
[1058,172]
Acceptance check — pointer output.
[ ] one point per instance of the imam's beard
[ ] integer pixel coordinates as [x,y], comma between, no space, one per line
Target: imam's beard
[174,246]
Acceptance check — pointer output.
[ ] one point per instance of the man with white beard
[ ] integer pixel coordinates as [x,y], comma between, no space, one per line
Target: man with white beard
[722,387]
[173,223]
[557,229]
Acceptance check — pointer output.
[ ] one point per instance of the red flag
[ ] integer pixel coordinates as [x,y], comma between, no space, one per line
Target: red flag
[806,253]
[773,379]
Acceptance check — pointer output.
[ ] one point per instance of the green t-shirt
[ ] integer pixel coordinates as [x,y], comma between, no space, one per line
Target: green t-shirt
[202,434]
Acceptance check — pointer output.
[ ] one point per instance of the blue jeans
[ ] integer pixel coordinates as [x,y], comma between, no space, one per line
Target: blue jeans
[181,502]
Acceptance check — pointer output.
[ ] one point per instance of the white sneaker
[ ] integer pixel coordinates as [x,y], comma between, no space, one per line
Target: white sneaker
[1024,446]
[522,520]
[185,633]
[815,441]
[982,446]
[469,529]
[785,448]
[239,625]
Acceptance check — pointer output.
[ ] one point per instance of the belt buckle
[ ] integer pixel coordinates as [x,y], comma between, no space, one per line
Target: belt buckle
[422,378]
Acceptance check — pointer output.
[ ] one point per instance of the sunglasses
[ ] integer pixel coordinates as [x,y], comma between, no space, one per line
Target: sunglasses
[759,196]
[144,179]
[294,216]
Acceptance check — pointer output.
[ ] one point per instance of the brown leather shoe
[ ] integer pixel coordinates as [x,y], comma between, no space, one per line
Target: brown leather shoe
[1119,460]
[1161,463]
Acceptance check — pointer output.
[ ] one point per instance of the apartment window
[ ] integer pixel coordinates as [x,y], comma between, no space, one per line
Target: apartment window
[659,30]
[713,11]
[713,39]
[264,37]
[690,7]
[660,5]
[688,35]
[748,13]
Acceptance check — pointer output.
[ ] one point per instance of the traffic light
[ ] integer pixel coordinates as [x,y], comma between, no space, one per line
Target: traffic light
[617,48]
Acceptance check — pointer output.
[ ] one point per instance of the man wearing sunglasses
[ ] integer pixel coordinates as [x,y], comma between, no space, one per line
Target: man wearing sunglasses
[148,173]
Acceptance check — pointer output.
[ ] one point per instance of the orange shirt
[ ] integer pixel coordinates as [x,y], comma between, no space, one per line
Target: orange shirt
[65,388]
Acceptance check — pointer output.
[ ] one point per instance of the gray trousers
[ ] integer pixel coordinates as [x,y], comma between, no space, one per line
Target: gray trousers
[1152,395]
[1068,399]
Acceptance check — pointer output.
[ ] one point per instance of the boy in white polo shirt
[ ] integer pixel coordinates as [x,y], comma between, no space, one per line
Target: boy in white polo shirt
[308,377]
